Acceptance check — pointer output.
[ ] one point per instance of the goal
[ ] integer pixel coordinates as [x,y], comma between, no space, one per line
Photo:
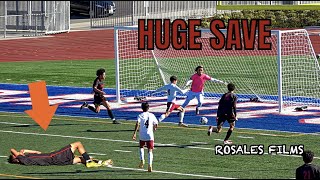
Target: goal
[288,74]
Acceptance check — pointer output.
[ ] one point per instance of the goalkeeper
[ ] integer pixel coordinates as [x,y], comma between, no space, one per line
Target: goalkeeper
[172,90]
[197,82]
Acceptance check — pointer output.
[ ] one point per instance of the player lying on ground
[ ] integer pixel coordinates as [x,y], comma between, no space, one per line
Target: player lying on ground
[64,156]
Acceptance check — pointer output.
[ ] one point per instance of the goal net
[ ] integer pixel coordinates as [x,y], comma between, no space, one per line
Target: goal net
[287,74]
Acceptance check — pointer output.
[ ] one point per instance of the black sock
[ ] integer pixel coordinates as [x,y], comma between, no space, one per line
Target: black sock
[85,156]
[110,114]
[228,134]
[92,108]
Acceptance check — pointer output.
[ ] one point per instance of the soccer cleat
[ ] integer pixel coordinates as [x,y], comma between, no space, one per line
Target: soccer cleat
[141,164]
[149,168]
[108,163]
[115,122]
[85,104]
[93,164]
[182,124]
[227,142]
[210,130]
[197,111]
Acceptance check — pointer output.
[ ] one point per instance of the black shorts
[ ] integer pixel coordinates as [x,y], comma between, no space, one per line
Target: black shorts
[226,117]
[97,99]
[64,156]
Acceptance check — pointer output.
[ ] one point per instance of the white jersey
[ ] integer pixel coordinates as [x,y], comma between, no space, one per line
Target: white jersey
[147,121]
[172,90]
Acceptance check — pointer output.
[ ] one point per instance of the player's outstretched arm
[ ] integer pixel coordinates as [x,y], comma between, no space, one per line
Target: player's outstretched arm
[218,81]
[163,88]
[31,151]
[187,83]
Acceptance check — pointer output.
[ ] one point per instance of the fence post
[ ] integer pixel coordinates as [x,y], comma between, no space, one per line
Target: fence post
[5,19]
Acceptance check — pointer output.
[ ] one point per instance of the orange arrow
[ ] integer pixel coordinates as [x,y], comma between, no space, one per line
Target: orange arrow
[41,111]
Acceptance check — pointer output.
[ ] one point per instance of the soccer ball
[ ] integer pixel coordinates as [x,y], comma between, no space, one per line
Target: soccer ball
[203,120]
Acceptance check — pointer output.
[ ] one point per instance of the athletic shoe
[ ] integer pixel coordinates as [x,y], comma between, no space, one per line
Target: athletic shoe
[210,130]
[141,164]
[149,168]
[108,163]
[115,122]
[227,142]
[85,104]
[182,124]
[93,164]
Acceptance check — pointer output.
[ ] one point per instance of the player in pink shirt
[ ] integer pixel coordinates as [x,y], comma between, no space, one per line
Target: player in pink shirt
[198,80]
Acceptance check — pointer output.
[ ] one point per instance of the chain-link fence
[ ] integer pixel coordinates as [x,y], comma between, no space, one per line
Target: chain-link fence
[128,12]
[33,18]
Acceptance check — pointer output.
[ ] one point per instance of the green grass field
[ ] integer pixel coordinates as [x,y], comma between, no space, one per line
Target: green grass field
[58,73]
[179,152]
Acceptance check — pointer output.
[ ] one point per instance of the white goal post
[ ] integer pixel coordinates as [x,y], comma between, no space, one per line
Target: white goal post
[288,74]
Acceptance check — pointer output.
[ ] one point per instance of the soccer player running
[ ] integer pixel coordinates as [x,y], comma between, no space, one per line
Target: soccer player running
[64,156]
[148,123]
[98,97]
[308,170]
[227,111]
[172,90]
[198,81]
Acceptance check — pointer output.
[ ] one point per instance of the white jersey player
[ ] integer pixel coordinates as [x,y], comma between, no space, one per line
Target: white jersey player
[172,90]
[148,123]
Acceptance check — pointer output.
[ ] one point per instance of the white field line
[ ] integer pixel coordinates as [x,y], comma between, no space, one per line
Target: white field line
[246,137]
[121,151]
[113,140]
[15,123]
[175,173]
[166,172]
[99,139]
[268,130]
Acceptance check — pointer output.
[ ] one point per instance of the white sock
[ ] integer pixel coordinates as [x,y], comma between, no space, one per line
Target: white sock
[150,158]
[181,117]
[162,117]
[141,154]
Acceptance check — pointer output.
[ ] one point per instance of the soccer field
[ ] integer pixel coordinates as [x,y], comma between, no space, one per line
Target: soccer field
[179,152]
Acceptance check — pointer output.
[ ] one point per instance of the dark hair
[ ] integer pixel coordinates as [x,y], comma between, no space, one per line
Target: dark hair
[13,160]
[231,87]
[100,71]
[173,78]
[145,106]
[307,156]
[198,68]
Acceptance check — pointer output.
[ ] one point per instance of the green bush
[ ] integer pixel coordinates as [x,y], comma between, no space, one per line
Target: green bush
[279,19]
